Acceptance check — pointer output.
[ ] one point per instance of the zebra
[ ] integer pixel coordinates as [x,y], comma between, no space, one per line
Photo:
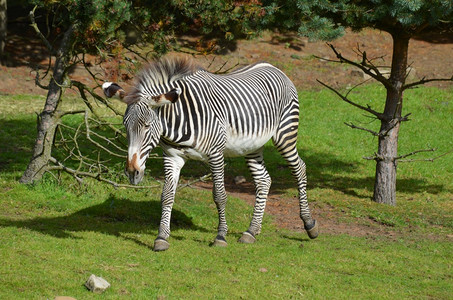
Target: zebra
[195,114]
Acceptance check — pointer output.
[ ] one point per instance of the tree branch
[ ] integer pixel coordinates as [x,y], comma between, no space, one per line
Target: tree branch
[415,152]
[202,178]
[77,174]
[366,66]
[425,159]
[423,81]
[80,86]
[38,80]
[377,157]
[380,116]
[33,24]
[88,132]
[374,133]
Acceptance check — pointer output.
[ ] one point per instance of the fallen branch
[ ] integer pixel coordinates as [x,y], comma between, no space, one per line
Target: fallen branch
[78,174]
[88,136]
[202,179]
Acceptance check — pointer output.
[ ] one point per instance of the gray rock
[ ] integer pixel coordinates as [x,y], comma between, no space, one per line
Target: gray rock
[97,284]
[239,179]
[384,71]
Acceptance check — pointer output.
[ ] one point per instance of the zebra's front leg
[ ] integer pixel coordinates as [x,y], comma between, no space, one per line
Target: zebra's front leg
[217,163]
[172,169]
[262,181]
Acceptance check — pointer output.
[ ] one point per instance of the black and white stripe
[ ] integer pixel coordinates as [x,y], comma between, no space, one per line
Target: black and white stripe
[215,116]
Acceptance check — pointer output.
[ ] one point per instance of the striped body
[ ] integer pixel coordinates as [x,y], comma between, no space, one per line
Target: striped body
[194,114]
[212,116]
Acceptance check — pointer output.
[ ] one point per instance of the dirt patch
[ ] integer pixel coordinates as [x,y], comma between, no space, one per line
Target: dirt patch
[302,60]
[285,213]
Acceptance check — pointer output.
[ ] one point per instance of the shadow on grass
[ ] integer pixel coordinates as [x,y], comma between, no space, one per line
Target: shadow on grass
[327,171]
[115,216]
[16,143]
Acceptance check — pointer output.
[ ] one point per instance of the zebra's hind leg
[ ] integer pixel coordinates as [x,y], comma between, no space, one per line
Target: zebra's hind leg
[217,163]
[286,145]
[262,181]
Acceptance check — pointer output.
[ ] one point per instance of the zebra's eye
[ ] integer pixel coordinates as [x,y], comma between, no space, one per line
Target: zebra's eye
[147,125]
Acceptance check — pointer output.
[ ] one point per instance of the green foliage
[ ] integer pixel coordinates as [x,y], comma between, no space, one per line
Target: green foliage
[323,19]
[108,24]
[233,18]
[96,23]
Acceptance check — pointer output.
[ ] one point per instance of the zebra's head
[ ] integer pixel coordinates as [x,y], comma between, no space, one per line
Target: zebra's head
[143,126]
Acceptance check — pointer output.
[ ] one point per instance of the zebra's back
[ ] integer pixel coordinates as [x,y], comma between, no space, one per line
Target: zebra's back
[252,101]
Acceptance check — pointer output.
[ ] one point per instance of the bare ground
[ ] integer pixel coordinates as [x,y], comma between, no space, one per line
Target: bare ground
[285,213]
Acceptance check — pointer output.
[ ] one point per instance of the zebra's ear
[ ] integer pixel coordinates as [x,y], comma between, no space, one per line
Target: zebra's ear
[170,97]
[112,89]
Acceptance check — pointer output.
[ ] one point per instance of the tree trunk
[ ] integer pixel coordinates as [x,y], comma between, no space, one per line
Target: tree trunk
[386,163]
[48,119]
[3,28]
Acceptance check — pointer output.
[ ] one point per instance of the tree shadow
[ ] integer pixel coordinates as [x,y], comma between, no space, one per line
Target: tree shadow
[16,143]
[115,216]
[21,37]
[325,171]
[289,40]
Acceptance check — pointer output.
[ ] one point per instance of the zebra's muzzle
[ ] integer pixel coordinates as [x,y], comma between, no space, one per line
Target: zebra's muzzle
[135,177]
[133,170]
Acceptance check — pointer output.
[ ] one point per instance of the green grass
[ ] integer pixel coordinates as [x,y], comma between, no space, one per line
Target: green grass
[53,236]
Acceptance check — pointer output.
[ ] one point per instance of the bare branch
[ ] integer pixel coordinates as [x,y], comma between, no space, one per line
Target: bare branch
[70,112]
[378,157]
[374,133]
[345,99]
[202,179]
[78,174]
[88,132]
[426,159]
[392,123]
[415,152]
[38,80]
[33,24]
[375,157]
[366,66]
[423,81]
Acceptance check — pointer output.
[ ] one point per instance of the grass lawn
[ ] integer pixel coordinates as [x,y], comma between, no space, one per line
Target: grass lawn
[53,236]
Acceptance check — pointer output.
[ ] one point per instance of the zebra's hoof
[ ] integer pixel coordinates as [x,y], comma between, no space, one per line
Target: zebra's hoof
[219,242]
[247,238]
[161,245]
[312,231]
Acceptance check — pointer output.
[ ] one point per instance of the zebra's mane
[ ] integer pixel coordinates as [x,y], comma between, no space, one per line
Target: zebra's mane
[160,73]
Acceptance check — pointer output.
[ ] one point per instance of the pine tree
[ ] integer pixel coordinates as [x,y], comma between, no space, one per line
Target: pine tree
[403,20]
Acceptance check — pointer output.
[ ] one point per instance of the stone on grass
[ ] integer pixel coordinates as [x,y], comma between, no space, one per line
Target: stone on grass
[97,284]
[239,179]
